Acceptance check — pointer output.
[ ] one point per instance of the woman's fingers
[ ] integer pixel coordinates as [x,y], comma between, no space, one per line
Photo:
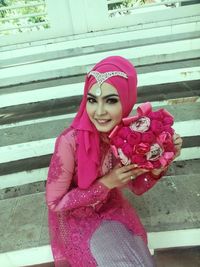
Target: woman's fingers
[127,168]
[132,174]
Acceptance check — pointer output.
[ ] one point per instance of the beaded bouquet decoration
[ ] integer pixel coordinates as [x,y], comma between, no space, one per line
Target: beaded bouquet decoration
[145,139]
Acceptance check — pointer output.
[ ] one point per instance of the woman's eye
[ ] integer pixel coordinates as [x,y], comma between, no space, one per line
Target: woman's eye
[112,100]
[91,100]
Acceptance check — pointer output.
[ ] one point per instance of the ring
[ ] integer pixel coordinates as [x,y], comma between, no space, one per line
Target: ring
[132,177]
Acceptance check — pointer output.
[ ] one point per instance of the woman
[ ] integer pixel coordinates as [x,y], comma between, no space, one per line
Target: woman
[90,222]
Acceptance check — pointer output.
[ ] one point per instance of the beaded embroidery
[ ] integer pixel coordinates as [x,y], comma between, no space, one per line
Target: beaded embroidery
[102,77]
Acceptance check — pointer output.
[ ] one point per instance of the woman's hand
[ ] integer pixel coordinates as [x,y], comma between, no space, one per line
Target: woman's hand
[120,175]
[178,141]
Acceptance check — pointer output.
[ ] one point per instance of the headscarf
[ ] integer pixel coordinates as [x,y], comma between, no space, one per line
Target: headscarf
[88,150]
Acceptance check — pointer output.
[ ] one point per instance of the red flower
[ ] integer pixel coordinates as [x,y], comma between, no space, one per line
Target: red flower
[148,137]
[156,126]
[138,159]
[142,148]
[164,137]
[118,141]
[168,128]
[124,132]
[156,115]
[156,164]
[127,149]
[134,138]
[168,120]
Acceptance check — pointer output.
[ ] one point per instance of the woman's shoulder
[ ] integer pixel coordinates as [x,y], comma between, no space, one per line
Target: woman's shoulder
[68,136]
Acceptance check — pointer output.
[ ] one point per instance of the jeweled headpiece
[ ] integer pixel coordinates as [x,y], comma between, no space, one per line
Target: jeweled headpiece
[102,77]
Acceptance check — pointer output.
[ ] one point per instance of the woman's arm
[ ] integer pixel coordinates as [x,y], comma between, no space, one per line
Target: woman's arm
[142,183]
[60,174]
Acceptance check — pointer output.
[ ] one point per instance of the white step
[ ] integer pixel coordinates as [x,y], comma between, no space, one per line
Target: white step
[163,52]
[69,90]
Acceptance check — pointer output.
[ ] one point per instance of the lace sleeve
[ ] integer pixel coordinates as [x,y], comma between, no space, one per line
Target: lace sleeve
[60,174]
[142,183]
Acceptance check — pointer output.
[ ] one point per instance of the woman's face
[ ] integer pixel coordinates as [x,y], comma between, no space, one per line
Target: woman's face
[104,111]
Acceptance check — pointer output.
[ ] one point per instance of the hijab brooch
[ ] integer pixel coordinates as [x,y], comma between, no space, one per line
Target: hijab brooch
[102,77]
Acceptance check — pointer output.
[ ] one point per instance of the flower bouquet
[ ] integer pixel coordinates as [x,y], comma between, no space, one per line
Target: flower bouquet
[145,139]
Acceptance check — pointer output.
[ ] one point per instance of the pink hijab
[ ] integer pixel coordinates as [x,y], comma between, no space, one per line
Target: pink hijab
[88,153]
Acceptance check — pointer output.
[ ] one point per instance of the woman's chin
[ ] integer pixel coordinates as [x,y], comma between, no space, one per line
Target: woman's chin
[104,127]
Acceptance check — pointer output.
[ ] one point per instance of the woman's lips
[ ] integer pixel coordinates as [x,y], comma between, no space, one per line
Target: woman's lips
[102,121]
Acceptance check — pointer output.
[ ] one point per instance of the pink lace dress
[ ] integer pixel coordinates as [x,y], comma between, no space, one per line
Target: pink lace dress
[75,214]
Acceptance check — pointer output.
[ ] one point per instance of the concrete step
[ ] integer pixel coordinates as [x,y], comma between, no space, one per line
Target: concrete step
[140,55]
[175,257]
[126,39]
[170,213]
[40,91]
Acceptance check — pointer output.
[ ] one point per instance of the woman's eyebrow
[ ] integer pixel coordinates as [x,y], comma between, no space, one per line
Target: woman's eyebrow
[104,97]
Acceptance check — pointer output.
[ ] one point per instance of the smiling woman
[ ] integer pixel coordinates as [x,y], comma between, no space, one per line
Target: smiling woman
[90,221]
[105,110]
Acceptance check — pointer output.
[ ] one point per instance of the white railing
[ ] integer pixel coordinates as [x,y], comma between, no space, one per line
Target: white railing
[14,19]
[122,9]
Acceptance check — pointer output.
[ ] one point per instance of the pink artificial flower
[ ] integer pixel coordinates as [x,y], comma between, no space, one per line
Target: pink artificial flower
[141,125]
[168,120]
[138,159]
[118,141]
[169,147]
[156,115]
[164,137]
[155,152]
[134,138]
[156,126]
[142,148]
[168,128]
[127,149]
[124,132]
[148,137]
[156,164]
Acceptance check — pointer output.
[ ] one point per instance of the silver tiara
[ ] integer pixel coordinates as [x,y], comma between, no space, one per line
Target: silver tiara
[102,77]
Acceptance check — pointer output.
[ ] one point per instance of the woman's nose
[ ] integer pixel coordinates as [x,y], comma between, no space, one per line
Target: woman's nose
[100,109]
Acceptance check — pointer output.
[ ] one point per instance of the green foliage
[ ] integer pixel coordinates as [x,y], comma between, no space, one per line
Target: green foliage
[8,20]
[125,4]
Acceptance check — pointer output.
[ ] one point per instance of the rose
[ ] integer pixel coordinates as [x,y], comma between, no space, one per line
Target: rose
[140,125]
[156,126]
[156,164]
[148,137]
[156,115]
[169,147]
[118,141]
[155,152]
[142,148]
[127,149]
[138,159]
[168,120]
[168,128]
[134,138]
[124,132]
[164,137]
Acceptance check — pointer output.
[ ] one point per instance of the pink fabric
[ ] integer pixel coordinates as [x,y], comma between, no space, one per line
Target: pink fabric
[75,213]
[88,137]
